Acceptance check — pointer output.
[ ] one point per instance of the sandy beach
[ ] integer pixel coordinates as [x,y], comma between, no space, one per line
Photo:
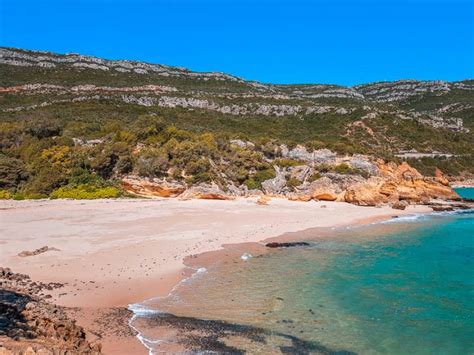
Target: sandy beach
[115,252]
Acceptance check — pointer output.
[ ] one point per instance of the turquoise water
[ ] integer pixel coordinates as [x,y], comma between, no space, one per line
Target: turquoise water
[466,192]
[401,287]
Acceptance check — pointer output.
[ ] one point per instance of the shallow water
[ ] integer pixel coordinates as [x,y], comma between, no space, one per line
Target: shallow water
[404,286]
[466,192]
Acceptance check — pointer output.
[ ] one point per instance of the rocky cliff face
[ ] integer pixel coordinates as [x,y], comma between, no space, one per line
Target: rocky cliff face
[370,183]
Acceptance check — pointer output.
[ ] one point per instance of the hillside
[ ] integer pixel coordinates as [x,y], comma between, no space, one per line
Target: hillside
[72,119]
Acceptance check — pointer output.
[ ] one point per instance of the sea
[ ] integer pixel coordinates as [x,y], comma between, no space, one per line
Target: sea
[401,286]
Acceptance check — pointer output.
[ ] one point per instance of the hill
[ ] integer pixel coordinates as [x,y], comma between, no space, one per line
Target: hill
[74,119]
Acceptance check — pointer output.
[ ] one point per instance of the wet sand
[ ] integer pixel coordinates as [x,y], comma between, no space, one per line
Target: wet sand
[116,252]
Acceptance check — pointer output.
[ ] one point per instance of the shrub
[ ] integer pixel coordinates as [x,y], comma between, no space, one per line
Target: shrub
[200,177]
[343,169]
[11,172]
[293,182]
[252,184]
[85,192]
[315,176]
[19,196]
[315,145]
[5,195]
[263,175]
[43,129]
[255,181]
[148,126]
[198,167]
[152,162]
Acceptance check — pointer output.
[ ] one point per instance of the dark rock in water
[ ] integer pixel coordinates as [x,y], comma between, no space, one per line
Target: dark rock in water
[286,245]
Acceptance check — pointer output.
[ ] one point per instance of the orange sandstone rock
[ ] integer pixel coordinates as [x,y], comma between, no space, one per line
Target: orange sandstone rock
[150,188]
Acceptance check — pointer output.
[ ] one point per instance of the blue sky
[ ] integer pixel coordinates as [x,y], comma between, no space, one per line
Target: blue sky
[283,41]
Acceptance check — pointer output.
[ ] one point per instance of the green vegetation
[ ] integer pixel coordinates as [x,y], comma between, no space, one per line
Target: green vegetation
[85,192]
[78,149]
[255,180]
[450,166]
[5,195]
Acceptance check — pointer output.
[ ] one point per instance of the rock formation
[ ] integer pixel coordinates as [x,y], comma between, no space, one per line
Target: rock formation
[151,187]
[205,192]
[31,325]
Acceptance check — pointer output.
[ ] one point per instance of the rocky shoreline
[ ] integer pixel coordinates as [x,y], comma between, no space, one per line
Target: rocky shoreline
[29,324]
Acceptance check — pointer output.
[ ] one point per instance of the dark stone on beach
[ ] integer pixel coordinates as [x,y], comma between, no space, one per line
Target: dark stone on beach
[400,205]
[442,208]
[38,251]
[286,245]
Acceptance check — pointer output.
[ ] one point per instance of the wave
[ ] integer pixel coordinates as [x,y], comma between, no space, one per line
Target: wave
[142,310]
[425,216]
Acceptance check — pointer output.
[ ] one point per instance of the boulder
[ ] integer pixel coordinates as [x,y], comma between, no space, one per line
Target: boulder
[363,163]
[300,198]
[325,197]
[324,189]
[404,182]
[263,200]
[400,205]
[301,153]
[237,191]
[151,187]
[365,194]
[205,192]
[275,186]
[300,172]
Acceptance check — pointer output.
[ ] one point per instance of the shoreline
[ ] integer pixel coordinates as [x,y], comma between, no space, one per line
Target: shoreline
[98,242]
[234,253]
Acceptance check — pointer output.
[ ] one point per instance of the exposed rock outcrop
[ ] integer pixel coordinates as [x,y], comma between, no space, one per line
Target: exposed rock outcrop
[151,187]
[205,192]
[275,186]
[397,183]
[30,325]
[382,183]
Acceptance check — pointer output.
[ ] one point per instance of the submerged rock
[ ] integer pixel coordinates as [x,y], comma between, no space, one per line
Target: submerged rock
[286,244]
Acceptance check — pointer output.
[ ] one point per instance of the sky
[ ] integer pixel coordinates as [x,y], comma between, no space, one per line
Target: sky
[344,42]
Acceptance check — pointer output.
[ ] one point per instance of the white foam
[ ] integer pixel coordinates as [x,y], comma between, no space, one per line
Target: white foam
[246,256]
[140,309]
[201,270]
